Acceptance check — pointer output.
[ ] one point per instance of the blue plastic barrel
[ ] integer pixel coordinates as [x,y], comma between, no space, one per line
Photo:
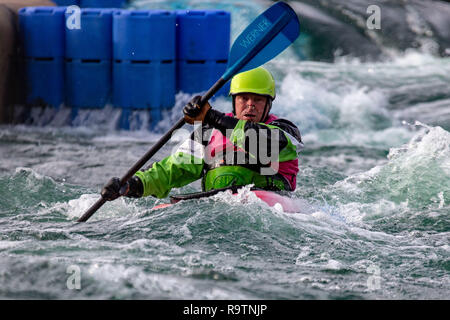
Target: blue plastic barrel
[67,2]
[141,35]
[42,31]
[203,34]
[198,76]
[144,84]
[88,83]
[102,3]
[44,81]
[93,40]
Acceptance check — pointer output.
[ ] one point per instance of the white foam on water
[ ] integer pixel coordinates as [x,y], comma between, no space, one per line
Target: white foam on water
[386,138]
[329,109]
[355,213]
[5,245]
[123,281]
[434,144]
[34,181]
[128,136]
[305,103]
[120,207]
[244,196]
[278,207]
[416,175]
[30,173]
[350,101]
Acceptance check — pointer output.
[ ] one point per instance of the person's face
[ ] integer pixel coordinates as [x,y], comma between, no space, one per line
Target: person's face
[250,106]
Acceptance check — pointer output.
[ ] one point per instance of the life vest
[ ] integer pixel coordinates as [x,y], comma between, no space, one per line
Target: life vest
[219,174]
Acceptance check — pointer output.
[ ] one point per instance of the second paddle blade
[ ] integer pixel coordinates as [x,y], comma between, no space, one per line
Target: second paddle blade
[278,24]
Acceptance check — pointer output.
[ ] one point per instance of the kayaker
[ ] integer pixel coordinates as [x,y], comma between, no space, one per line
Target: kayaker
[230,149]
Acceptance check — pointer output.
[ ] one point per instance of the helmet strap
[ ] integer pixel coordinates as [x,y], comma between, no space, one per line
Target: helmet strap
[267,108]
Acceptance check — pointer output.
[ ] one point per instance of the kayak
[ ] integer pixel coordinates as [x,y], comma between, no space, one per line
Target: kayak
[271,198]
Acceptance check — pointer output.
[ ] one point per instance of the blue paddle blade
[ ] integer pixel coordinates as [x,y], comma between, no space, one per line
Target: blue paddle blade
[266,37]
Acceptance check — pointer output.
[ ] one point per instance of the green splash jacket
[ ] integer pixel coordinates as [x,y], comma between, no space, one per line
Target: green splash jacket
[187,164]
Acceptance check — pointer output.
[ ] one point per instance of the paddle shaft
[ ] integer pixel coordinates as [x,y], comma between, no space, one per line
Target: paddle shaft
[138,165]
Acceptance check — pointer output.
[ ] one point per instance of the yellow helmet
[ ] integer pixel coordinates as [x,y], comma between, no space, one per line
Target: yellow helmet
[258,80]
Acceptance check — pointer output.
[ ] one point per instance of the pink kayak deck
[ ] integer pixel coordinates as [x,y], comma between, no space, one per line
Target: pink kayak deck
[271,198]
